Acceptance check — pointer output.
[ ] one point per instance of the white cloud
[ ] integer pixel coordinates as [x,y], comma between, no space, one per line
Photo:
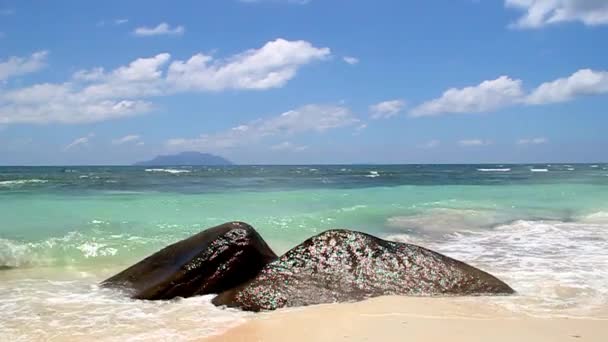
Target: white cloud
[79,141]
[309,118]
[270,66]
[539,13]
[474,142]
[159,30]
[16,66]
[430,144]
[580,83]
[97,95]
[133,138]
[45,103]
[532,141]
[386,109]
[485,97]
[505,91]
[351,60]
[288,146]
[120,21]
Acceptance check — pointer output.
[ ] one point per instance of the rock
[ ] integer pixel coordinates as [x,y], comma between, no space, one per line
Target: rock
[212,261]
[342,265]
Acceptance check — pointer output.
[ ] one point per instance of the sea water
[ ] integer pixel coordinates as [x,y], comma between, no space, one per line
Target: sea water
[63,229]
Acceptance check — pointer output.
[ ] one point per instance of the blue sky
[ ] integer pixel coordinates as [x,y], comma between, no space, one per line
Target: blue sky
[318,81]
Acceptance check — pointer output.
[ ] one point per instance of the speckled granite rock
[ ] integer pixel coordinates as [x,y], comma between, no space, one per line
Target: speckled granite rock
[342,265]
[212,261]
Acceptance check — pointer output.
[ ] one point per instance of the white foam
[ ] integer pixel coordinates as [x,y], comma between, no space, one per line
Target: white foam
[73,249]
[539,170]
[373,174]
[494,170]
[94,249]
[557,268]
[22,182]
[79,310]
[172,171]
[353,208]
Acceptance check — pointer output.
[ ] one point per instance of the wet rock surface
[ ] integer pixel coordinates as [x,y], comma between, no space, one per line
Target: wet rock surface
[342,265]
[212,261]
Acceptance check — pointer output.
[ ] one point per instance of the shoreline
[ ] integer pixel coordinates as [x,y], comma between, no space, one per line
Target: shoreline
[412,318]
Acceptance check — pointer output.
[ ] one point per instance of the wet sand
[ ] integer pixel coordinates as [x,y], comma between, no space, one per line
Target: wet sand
[412,319]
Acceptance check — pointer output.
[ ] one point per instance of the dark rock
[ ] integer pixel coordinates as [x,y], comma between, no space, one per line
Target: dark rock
[342,265]
[212,261]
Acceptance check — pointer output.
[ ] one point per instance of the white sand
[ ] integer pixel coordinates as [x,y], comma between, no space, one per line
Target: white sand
[412,319]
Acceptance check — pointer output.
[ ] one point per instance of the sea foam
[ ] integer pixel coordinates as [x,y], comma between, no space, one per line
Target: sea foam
[172,171]
[494,170]
[373,174]
[78,309]
[17,182]
[557,268]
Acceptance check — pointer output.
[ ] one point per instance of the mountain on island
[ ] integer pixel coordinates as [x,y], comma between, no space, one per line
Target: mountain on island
[186,158]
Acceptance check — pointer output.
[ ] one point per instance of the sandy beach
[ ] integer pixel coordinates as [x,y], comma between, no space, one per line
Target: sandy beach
[412,319]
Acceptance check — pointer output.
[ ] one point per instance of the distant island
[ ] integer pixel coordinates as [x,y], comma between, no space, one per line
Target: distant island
[186,158]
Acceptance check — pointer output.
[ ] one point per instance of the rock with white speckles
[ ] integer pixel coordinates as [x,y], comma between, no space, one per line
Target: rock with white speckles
[212,261]
[342,266]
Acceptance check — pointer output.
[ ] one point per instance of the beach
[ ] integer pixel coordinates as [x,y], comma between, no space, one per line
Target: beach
[413,319]
[66,229]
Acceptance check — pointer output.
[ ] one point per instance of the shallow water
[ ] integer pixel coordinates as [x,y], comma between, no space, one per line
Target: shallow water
[64,229]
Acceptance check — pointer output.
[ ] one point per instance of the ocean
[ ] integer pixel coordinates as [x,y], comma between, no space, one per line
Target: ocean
[541,228]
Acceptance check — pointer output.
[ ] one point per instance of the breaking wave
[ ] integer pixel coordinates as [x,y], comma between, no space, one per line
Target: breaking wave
[556,267]
[18,182]
[172,171]
[494,170]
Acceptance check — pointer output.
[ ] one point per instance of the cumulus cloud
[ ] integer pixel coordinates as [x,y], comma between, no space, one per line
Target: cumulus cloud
[505,91]
[474,142]
[308,118]
[270,66]
[580,83]
[16,66]
[351,60]
[162,29]
[540,13]
[79,142]
[532,141]
[386,109]
[132,138]
[95,94]
[484,97]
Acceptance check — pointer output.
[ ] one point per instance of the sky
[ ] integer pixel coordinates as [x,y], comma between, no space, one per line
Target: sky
[304,81]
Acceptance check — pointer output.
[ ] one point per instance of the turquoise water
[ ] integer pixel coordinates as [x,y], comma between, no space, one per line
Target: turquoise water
[542,228]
